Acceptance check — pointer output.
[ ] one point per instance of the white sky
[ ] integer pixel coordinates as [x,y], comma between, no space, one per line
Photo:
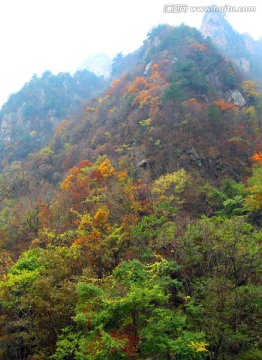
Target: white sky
[58,35]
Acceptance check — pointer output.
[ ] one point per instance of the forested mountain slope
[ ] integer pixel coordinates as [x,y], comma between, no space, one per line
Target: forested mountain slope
[135,232]
[29,117]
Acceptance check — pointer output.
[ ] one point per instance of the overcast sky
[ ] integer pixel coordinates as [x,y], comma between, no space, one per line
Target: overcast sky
[58,35]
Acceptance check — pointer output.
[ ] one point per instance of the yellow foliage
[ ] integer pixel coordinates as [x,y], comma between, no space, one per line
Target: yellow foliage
[169,186]
[100,100]
[145,97]
[106,169]
[100,217]
[121,175]
[199,346]
[65,185]
[86,221]
[250,88]
[146,122]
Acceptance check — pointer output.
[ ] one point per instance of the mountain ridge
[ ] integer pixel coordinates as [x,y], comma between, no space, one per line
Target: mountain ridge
[134,231]
[29,117]
[242,49]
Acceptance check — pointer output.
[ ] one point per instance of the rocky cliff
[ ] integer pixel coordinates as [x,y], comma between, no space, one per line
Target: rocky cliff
[240,48]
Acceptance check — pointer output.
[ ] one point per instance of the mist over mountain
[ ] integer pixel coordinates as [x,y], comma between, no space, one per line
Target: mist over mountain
[131,206]
[99,64]
[29,117]
[241,48]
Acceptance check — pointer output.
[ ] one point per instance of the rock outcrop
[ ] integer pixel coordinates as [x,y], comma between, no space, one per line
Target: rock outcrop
[235,97]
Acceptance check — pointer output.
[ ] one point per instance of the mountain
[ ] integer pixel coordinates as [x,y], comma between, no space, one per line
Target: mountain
[240,48]
[134,230]
[168,107]
[99,64]
[29,117]
[177,79]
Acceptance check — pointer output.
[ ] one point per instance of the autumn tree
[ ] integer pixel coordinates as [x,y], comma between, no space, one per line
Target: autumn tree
[250,90]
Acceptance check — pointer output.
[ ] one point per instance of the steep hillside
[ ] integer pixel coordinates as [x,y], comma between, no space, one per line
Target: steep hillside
[135,232]
[29,117]
[181,105]
[244,51]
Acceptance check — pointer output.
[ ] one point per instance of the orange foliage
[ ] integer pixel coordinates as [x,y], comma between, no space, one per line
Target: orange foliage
[115,85]
[139,84]
[223,105]
[121,175]
[191,101]
[155,72]
[84,164]
[106,169]
[75,185]
[74,175]
[198,47]
[145,97]
[257,157]
[96,176]
[193,105]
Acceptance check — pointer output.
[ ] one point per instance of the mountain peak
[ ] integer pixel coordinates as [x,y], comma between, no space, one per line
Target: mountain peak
[99,64]
[242,49]
[215,25]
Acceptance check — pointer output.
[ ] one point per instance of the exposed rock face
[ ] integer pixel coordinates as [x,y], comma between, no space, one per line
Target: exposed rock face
[215,26]
[235,97]
[193,156]
[242,49]
[8,122]
[150,44]
[249,43]
[15,125]
[244,64]
[213,79]
[143,164]
[148,67]
[208,165]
